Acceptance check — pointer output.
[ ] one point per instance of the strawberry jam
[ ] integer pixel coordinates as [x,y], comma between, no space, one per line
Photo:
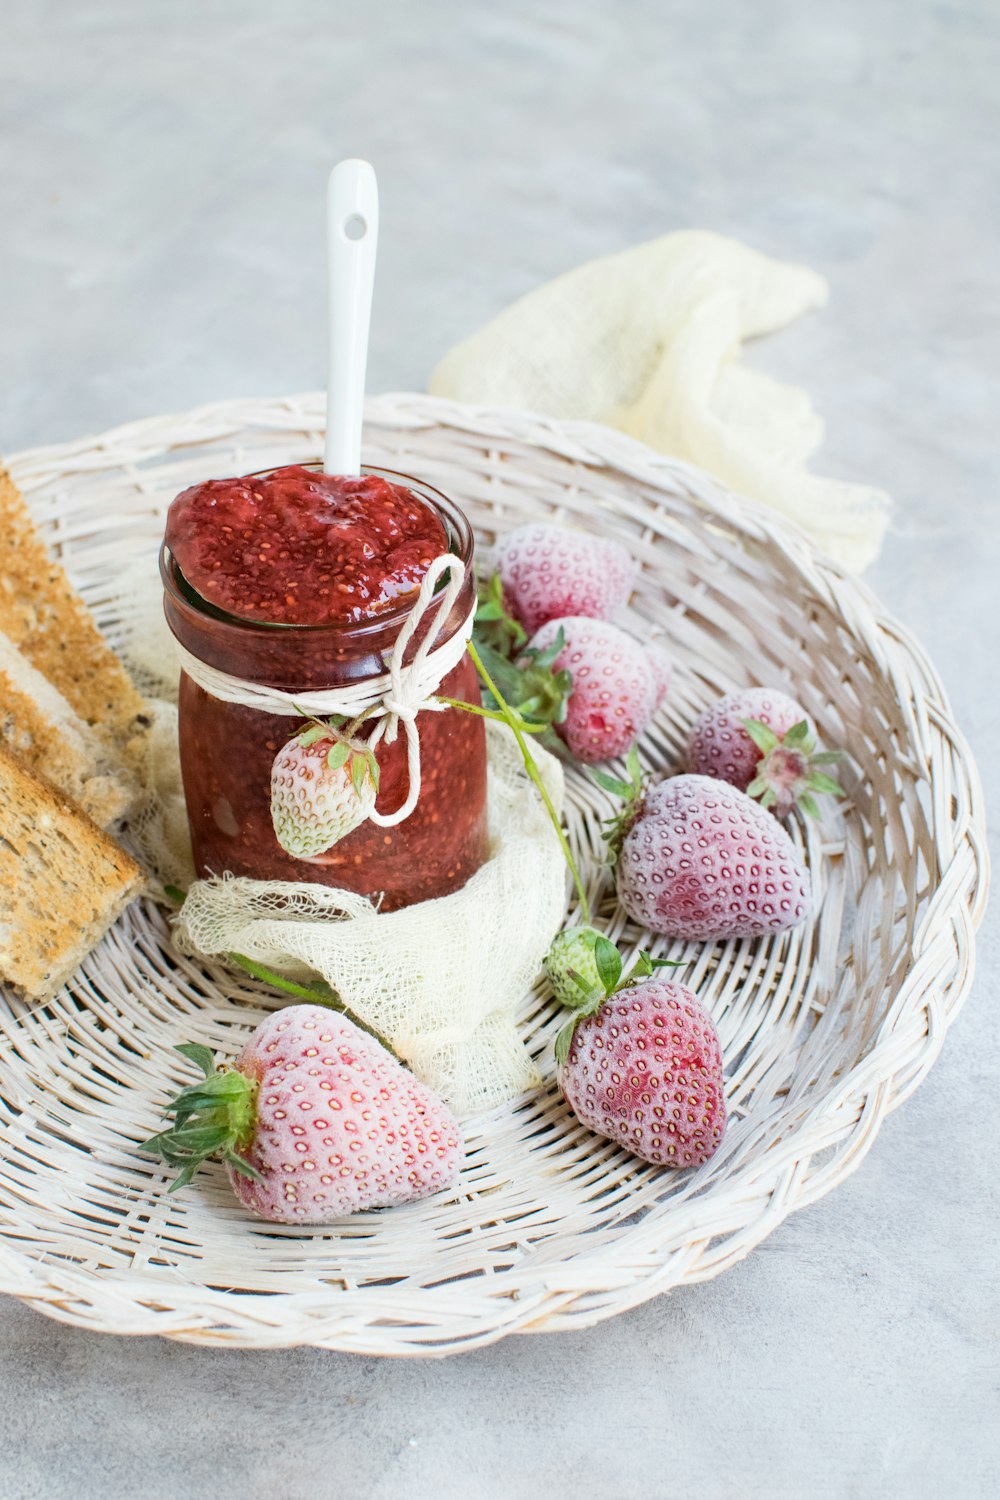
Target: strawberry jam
[302,581]
[299,547]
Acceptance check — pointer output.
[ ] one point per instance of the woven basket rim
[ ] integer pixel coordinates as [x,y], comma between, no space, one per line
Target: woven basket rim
[869,1090]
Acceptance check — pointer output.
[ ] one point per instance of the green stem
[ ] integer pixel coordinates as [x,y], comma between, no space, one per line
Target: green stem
[331,1000]
[488,713]
[511,719]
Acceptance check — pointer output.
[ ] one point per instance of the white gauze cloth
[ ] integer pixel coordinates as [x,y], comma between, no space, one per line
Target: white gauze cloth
[439,980]
[648,341]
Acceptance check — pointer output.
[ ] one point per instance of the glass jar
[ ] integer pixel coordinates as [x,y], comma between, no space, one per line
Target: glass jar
[227,749]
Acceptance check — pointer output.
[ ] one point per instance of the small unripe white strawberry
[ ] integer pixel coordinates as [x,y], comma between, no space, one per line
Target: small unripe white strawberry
[571,965]
[321,789]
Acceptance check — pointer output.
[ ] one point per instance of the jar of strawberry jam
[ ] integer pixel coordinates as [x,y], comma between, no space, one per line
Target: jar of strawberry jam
[302,582]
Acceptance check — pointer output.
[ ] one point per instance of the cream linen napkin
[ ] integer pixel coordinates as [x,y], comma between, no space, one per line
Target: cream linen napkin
[648,341]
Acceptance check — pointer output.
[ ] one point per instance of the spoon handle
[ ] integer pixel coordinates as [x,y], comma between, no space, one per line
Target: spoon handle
[351,243]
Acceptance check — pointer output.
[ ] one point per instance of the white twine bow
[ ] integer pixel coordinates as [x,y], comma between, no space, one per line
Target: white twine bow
[395,697]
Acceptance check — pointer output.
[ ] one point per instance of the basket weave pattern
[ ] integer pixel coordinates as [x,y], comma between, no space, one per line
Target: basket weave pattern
[823,1030]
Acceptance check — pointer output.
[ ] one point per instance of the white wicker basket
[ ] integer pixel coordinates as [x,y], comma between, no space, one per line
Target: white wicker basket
[823,1031]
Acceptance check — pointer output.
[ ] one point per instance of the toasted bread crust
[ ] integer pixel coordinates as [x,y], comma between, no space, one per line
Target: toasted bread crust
[43,731]
[39,745]
[62,882]
[47,620]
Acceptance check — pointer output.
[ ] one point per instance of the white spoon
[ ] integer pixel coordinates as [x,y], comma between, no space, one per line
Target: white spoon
[351,243]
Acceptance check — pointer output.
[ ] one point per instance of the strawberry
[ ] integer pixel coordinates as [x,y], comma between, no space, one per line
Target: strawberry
[618,683]
[322,787]
[549,572]
[640,1063]
[760,740]
[701,860]
[571,966]
[313,1120]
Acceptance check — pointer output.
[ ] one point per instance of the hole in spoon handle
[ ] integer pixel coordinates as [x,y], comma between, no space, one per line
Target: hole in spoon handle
[351,244]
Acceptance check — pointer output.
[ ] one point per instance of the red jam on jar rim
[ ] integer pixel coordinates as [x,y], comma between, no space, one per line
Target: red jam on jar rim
[245,555]
[300,547]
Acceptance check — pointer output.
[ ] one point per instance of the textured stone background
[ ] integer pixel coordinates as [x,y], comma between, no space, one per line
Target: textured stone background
[161,185]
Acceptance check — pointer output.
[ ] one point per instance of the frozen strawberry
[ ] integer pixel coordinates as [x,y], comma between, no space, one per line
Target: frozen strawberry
[640,1063]
[760,740]
[702,860]
[618,683]
[549,572]
[314,1120]
[321,789]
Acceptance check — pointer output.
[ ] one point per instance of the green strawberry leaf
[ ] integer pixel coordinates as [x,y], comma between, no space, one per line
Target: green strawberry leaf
[798,737]
[645,964]
[202,1057]
[762,735]
[241,1165]
[564,1040]
[338,755]
[494,627]
[612,784]
[528,685]
[808,804]
[826,758]
[212,1117]
[311,735]
[609,964]
[818,782]
[631,794]
[585,989]
[359,774]
[545,656]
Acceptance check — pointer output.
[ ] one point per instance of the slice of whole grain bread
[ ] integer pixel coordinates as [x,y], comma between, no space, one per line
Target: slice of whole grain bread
[48,622]
[45,733]
[62,882]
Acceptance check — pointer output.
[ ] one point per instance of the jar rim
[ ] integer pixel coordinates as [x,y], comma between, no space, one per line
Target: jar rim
[456,524]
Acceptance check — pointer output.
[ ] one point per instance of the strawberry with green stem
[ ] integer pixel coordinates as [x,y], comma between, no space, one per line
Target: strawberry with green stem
[324,783]
[788,772]
[760,741]
[585,969]
[312,1120]
[631,792]
[640,1063]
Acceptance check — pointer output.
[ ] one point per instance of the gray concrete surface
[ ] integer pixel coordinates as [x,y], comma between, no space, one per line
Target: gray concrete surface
[161,179]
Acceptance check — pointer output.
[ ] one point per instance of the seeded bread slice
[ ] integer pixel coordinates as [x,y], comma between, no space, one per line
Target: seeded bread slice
[41,728]
[62,882]
[48,622]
